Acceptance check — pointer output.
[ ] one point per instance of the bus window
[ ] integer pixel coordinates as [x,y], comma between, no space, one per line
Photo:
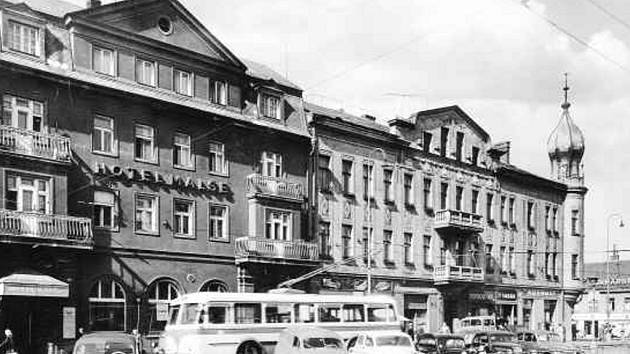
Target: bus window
[216,314]
[475,322]
[277,313]
[189,313]
[380,313]
[329,313]
[353,313]
[488,322]
[247,313]
[304,313]
[172,319]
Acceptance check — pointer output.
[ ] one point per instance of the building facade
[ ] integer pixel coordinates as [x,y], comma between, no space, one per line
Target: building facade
[451,227]
[141,160]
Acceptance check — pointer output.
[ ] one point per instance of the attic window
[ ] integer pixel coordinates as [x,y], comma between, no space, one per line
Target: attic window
[165,25]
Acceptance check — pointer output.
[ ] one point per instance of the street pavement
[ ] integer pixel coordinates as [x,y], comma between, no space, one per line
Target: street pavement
[606,347]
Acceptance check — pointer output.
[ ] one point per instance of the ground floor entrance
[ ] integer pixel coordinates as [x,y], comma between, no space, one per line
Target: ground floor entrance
[33,321]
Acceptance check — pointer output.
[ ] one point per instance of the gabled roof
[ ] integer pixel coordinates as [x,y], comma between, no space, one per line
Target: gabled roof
[97,15]
[265,73]
[458,111]
[334,113]
[523,175]
[55,8]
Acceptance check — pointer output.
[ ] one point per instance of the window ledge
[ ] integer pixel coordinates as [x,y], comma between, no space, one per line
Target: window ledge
[184,237]
[390,264]
[185,168]
[147,233]
[222,240]
[219,174]
[410,265]
[151,162]
[104,153]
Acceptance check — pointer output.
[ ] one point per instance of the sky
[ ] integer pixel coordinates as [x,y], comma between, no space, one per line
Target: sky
[497,59]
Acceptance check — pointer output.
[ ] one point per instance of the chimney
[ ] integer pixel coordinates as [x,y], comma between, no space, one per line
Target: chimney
[369,117]
[92,3]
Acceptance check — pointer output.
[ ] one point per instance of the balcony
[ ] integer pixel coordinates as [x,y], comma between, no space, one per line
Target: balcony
[458,220]
[259,185]
[262,250]
[445,274]
[49,229]
[35,144]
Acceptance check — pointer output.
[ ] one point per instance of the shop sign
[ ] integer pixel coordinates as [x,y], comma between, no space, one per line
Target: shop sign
[169,180]
[540,293]
[502,295]
[330,283]
[383,286]
[417,306]
[69,322]
[161,311]
[481,296]
[360,285]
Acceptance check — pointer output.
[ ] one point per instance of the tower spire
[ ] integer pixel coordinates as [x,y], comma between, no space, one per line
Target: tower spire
[565,105]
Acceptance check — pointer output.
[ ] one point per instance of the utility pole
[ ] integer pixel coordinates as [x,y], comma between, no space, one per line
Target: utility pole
[370,221]
[608,279]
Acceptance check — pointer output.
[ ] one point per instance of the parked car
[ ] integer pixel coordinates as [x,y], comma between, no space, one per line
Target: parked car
[390,342]
[475,323]
[545,342]
[429,343]
[309,339]
[478,342]
[109,343]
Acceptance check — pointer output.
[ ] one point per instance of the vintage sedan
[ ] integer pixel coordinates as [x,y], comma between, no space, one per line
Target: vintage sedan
[430,343]
[499,342]
[544,342]
[109,343]
[309,339]
[391,342]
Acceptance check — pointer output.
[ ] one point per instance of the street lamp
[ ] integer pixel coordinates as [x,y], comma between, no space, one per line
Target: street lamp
[610,217]
[371,226]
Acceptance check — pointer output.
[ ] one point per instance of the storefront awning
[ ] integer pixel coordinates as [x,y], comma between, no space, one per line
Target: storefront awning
[32,285]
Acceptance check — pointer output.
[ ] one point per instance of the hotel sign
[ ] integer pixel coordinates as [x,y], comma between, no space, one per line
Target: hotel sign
[164,179]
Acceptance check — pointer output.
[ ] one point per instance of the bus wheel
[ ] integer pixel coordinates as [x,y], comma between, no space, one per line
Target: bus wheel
[250,348]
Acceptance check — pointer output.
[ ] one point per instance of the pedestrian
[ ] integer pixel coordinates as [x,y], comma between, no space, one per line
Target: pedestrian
[444,329]
[7,346]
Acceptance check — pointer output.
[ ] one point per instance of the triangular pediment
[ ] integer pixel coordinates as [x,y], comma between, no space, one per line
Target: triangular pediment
[165,21]
[449,116]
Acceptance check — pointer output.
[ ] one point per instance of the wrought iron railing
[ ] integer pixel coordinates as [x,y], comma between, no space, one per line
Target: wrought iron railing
[446,273]
[449,218]
[267,248]
[257,183]
[36,144]
[46,226]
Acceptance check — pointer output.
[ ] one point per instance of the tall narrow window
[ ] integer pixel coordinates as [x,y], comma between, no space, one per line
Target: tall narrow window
[575,222]
[512,211]
[459,194]
[24,38]
[278,225]
[217,163]
[145,72]
[324,237]
[554,219]
[554,265]
[443,141]
[547,218]
[219,94]
[511,260]
[348,180]
[346,241]
[146,213]
[474,201]
[459,145]
[184,217]
[162,291]
[105,210]
[366,242]
[271,164]
[368,181]
[103,61]
[427,194]
[531,267]
[107,303]
[426,141]
[182,150]
[443,196]
[548,265]
[426,250]
[489,261]
[408,250]
[270,106]
[503,259]
[474,158]
[182,82]
[531,215]
[408,188]
[387,184]
[574,266]
[145,143]
[504,219]
[218,221]
[387,246]
[490,207]
[323,174]
[103,135]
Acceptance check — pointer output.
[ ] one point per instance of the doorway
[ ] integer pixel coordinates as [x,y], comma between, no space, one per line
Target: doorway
[33,321]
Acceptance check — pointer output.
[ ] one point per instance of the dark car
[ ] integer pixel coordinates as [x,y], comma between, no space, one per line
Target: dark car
[109,343]
[498,342]
[430,343]
[544,342]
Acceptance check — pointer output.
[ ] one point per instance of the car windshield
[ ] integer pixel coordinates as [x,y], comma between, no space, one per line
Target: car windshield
[502,337]
[104,347]
[549,337]
[394,340]
[453,343]
[322,342]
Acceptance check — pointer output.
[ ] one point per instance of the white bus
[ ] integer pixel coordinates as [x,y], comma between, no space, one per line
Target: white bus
[249,323]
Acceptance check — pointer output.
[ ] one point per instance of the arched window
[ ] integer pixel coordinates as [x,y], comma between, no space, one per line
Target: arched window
[216,286]
[160,294]
[108,307]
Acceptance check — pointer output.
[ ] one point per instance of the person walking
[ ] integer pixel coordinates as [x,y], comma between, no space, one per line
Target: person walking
[444,329]
[7,346]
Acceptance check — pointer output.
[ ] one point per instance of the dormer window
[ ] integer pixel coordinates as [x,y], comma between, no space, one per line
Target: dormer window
[270,106]
[426,141]
[474,158]
[103,60]
[145,72]
[219,92]
[24,38]
[182,82]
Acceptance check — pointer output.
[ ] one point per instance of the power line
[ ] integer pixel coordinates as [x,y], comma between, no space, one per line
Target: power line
[574,37]
[610,14]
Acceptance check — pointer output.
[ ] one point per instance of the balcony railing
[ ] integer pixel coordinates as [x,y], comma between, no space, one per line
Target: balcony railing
[262,248]
[36,144]
[275,187]
[46,227]
[451,273]
[458,219]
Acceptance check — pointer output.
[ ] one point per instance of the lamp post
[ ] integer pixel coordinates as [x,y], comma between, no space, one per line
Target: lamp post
[371,227]
[610,217]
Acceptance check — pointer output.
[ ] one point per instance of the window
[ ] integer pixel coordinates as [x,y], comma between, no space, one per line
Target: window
[182,151]
[489,262]
[366,242]
[503,210]
[346,174]
[387,183]
[323,174]
[271,164]
[626,304]
[270,106]
[23,113]
[574,266]
[217,163]
[304,313]
[459,194]
[503,259]
[368,181]
[427,194]
[512,211]
[103,135]
[182,82]
[408,188]
[146,213]
[219,92]
[353,313]
[329,313]
[547,218]
[324,237]
[459,145]
[548,264]
[184,217]
[531,215]
[554,220]
[575,220]
[103,61]
[426,141]
[531,270]
[426,250]
[408,248]
[218,222]
[105,210]
[107,306]
[214,286]
[278,225]
[554,265]
[145,143]
[346,241]
[24,38]
[443,196]
[474,201]
[29,194]
[387,246]
[247,313]
[611,304]
[160,292]
[443,141]
[490,207]
[511,260]
[278,313]
[145,72]
[474,158]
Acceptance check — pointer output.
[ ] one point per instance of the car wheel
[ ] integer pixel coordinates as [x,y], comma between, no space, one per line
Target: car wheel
[250,348]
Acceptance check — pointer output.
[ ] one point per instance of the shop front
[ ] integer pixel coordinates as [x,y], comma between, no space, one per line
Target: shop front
[541,309]
[501,303]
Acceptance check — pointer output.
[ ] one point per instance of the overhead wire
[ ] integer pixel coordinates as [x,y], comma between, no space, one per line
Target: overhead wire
[609,13]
